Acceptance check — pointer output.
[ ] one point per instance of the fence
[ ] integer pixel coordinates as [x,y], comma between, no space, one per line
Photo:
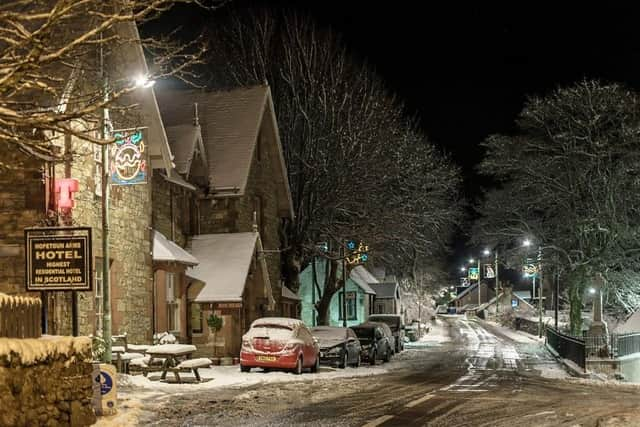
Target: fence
[627,344]
[19,317]
[568,347]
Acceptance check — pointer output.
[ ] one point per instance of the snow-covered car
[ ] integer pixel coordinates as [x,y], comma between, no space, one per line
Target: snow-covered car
[279,343]
[376,345]
[338,346]
[396,324]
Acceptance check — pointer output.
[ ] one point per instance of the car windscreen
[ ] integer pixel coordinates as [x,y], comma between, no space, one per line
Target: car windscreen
[329,336]
[364,333]
[392,322]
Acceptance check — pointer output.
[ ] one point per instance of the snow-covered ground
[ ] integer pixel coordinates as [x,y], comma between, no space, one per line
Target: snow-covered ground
[438,334]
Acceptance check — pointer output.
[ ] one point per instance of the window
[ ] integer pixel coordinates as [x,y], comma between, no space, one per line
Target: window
[351,305]
[379,307]
[173,303]
[196,318]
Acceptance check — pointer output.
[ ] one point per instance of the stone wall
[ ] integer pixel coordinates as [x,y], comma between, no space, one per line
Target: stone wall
[22,204]
[52,389]
[129,246]
[164,195]
[235,214]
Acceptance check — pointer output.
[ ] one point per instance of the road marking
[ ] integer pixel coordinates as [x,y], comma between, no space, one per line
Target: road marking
[418,401]
[378,421]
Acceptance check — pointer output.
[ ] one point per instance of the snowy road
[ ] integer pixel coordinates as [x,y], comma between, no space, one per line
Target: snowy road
[483,375]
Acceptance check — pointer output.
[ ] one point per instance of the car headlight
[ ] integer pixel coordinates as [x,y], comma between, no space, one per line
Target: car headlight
[290,347]
[246,345]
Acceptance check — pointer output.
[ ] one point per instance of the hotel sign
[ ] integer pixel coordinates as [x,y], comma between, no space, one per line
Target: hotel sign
[58,259]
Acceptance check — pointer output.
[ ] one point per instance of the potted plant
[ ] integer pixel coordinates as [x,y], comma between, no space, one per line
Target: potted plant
[215,324]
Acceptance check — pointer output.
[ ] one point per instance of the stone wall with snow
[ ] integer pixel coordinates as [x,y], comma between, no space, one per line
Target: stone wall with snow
[46,381]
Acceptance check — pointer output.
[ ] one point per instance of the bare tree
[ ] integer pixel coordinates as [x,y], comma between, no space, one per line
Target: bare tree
[52,53]
[567,179]
[358,167]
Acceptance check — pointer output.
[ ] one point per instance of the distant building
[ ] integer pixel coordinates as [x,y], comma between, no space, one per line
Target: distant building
[359,292]
[388,298]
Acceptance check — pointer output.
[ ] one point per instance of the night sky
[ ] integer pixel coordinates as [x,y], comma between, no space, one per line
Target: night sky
[466,71]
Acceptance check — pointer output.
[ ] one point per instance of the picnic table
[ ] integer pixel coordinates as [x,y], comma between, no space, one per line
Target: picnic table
[174,358]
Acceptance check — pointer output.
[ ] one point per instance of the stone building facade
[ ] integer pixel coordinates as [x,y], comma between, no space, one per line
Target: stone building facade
[28,200]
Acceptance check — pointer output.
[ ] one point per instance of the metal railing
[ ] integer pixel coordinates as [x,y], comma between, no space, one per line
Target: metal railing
[566,346]
[626,344]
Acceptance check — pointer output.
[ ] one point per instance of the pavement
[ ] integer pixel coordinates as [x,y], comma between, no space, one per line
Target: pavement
[473,373]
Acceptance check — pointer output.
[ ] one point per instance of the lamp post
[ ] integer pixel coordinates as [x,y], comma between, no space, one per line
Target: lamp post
[106,283]
[141,81]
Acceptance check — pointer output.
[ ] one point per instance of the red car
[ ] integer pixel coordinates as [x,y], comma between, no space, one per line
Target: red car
[279,343]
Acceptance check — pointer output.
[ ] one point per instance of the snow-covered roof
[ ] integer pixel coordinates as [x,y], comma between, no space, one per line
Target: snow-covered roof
[225,260]
[385,290]
[363,278]
[167,251]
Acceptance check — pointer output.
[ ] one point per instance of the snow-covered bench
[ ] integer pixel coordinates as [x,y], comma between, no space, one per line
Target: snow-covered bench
[190,365]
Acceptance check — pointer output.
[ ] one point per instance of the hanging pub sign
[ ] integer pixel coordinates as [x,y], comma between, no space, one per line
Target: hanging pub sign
[489,272]
[128,164]
[58,259]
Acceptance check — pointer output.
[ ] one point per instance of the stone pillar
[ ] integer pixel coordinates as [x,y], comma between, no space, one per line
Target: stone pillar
[599,326]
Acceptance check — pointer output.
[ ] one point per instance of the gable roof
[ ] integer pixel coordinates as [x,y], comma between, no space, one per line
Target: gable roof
[363,278]
[385,290]
[359,278]
[185,141]
[230,124]
[225,260]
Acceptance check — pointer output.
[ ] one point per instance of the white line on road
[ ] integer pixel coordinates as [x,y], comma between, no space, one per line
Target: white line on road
[418,401]
[378,421]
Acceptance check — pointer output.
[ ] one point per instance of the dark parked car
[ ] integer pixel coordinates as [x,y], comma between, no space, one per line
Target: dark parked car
[395,323]
[375,343]
[338,346]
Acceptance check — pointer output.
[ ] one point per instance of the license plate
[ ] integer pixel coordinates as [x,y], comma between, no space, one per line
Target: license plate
[266,358]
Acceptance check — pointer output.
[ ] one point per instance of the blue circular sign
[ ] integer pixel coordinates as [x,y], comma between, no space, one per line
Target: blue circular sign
[106,382]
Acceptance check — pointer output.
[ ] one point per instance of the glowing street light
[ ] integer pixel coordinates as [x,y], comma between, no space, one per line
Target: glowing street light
[486,252]
[526,243]
[592,291]
[463,269]
[471,261]
[143,81]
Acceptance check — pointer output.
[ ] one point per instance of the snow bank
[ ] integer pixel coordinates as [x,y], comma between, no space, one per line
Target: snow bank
[30,351]
[230,376]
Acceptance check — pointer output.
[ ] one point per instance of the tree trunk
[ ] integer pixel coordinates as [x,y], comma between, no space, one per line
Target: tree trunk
[576,289]
[330,288]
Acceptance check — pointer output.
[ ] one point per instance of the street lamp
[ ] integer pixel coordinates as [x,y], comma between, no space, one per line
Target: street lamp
[463,269]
